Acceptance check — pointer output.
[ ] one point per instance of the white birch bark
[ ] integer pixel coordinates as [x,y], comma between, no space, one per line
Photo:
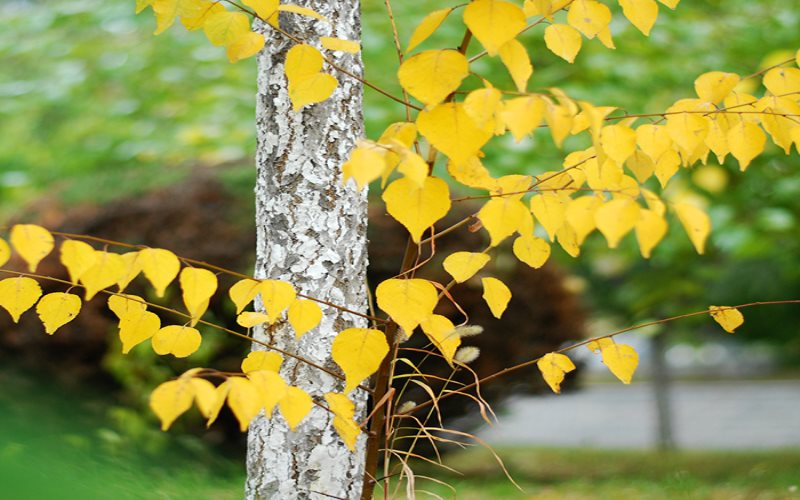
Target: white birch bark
[311,233]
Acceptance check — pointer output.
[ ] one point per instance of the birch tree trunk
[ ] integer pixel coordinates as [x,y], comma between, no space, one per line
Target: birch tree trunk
[311,233]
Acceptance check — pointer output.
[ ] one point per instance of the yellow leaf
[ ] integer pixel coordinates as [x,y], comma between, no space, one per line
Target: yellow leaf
[57,309]
[621,360]
[783,81]
[580,216]
[295,405]
[433,75]
[136,326]
[553,367]
[5,252]
[414,168]
[224,27]
[221,394]
[729,318]
[618,142]
[667,166]
[463,265]
[715,86]
[197,13]
[32,243]
[170,400]
[568,240]
[471,173]
[559,118]
[407,301]
[271,387]
[277,296]
[340,45]
[360,351]
[516,60]
[243,292]
[696,223]
[247,45]
[654,140]
[449,129]
[303,316]
[688,130]
[249,319]
[427,26]
[365,165]
[205,395]
[442,333]
[304,11]
[263,8]
[670,3]
[160,267]
[311,89]
[496,294]
[641,13]
[344,410]
[167,11]
[107,270]
[198,286]
[502,217]
[563,41]
[302,60]
[654,203]
[142,4]
[417,209]
[650,229]
[483,106]
[589,17]
[121,305]
[493,22]
[597,345]
[532,250]
[180,341]
[549,209]
[746,141]
[717,138]
[262,360]
[244,400]
[133,266]
[641,165]
[523,115]
[616,218]
[19,294]
[78,257]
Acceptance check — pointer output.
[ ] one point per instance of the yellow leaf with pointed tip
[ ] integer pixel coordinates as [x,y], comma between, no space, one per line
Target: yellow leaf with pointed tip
[580,216]
[522,115]
[650,229]
[167,11]
[33,243]
[618,142]
[5,252]
[344,410]
[516,60]
[303,316]
[304,11]
[538,8]
[559,118]
[641,13]
[654,140]
[616,218]
[553,367]
[621,360]
[450,129]
[142,4]
[563,41]
[427,26]
[532,250]
[106,271]
[549,209]
[729,318]
[221,393]
[57,309]
[170,400]
[746,141]
[198,286]
[641,165]
[262,360]
[263,8]
[136,326]
[160,267]
[197,13]
[654,203]
[180,341]
[224,27]
[247,45]
[471,173]
[19,294]
[414,168]
[782,81]
[302,60]
[277,296]
[670,3]
[696,223]
[244,400]
[364,166]
[502,217]
[717,138]
[597,345]
[443,334]
[249,319]
[417,208]
[463,265]
[568,240]
[433,75]
[295,405]
[496,294]
[78,257]
[688,130]
[667,166]
[494,22]
[205,395]
[589,17]
[482,106]
[402,132]
[360,351]
[243,292]
[311,89]
[340,45]
[122,304]
[133,266]
[715,85]
[407,301]
[271,387]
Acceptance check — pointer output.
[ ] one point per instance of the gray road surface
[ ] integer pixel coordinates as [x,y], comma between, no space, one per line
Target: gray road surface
[706,415]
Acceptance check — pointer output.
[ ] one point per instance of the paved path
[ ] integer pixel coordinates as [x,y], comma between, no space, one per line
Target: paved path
[706,415]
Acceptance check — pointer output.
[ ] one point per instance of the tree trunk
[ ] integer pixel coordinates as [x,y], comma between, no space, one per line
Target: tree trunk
[311,233]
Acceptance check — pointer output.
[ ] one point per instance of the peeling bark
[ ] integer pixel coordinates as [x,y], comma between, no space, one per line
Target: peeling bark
[311,233]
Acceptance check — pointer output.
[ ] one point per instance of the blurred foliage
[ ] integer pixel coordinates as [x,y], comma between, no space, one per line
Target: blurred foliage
[92,106]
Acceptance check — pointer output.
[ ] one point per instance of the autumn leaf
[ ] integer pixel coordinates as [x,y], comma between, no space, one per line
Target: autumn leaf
[276,295]
[696,223]
[19,294]
[450,129]
[78,257]
[443,334]
[262,360]
[496,294]
[417,208]
[160,267]
[170,400]
[620,359]
[33,243]
[359,352]
[729,318]
[463,265]
[554,367]
[303,315]
[136,326]
[432,75]
[429,24]
[243,292]
[295,405]
[198,286]
[493,22]
[180,341]
[407,301]
[563,41]
[57,309]
[106,271]
[344,411]
[531,250]
[5,252]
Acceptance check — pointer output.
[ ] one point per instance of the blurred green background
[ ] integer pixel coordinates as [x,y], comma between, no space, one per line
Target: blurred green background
[93,108]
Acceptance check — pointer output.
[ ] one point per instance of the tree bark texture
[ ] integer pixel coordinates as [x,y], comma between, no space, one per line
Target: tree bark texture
[311,233]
